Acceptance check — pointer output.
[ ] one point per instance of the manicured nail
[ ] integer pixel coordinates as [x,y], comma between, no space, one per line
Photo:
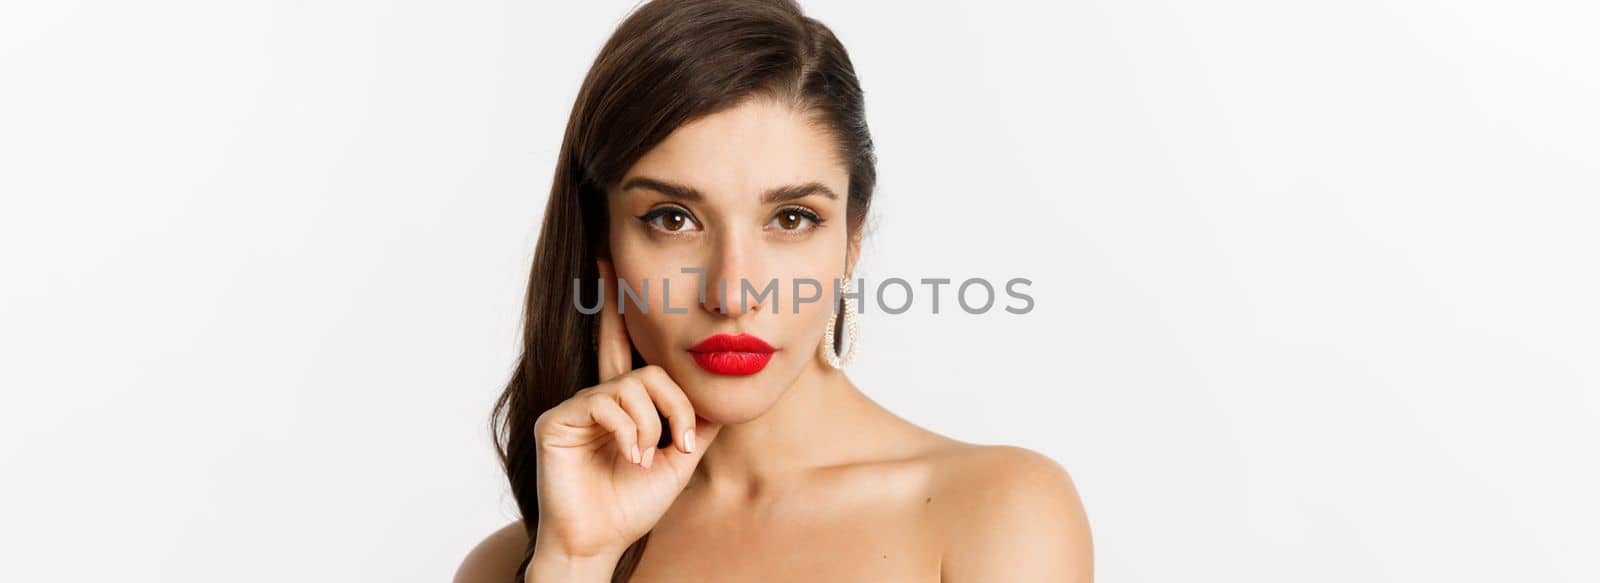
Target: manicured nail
[688,440]
[649,454]
[636,453]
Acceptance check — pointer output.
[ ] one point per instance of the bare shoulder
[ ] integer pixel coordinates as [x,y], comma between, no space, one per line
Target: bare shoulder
[496,558]
[1009,513]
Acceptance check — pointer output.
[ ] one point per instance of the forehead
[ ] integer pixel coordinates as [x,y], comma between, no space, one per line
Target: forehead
[739,152]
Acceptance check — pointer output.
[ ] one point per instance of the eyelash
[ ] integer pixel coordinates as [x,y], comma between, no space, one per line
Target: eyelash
[649,219]
[807,214]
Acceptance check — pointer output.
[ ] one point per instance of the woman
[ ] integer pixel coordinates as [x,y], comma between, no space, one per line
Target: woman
[703,435]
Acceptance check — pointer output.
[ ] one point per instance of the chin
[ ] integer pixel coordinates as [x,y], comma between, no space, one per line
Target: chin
[728,411]
[730,399]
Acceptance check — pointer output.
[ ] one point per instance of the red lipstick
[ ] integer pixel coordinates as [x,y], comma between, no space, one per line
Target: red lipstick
[726,354]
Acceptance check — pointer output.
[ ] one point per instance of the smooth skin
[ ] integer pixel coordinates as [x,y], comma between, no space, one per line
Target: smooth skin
[791,474]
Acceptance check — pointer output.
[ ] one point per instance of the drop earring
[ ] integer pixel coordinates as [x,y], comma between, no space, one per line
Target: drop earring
[852,331]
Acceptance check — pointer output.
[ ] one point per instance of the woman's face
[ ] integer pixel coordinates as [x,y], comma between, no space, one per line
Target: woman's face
[733,194]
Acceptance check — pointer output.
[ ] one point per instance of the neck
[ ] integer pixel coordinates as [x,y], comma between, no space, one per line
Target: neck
[805,429]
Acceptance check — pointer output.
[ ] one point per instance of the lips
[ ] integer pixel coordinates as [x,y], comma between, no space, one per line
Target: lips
[734,355]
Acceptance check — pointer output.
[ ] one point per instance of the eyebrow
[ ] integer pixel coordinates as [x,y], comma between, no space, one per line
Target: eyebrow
[772,195]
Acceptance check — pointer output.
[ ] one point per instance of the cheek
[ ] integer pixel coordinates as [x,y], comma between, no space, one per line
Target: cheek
[657,332]
[820,261]
[648,333]
[804,329]
[811,321]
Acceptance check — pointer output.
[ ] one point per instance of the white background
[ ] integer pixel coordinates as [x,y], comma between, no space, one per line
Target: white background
[1315,281]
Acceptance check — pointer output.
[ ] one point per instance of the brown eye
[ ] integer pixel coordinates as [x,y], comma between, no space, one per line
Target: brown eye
[790,220]
[796,219]
[673,221]
[669,219]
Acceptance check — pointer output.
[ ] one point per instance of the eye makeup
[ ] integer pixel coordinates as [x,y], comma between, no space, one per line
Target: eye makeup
[671,220]
[812,221]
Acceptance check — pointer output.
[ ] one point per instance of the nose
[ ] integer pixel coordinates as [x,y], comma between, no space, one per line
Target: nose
[733,264]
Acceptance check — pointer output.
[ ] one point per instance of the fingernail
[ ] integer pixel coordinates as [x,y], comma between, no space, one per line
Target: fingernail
[636,453]
[688,440]
[649,454]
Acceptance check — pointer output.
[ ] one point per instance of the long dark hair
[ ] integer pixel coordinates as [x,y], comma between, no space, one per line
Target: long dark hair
[669,62]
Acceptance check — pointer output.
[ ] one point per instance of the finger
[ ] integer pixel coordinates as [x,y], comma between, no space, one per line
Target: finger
[605,411]
[683,464]
[636,401]
[670,399]
[615,355]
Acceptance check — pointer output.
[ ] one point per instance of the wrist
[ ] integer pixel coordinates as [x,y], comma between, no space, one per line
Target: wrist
[553,566]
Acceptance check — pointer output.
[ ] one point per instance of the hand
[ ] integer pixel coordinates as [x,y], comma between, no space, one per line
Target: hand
[602,483]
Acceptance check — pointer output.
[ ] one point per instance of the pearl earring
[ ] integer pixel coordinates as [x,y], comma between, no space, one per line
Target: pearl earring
[851,330]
